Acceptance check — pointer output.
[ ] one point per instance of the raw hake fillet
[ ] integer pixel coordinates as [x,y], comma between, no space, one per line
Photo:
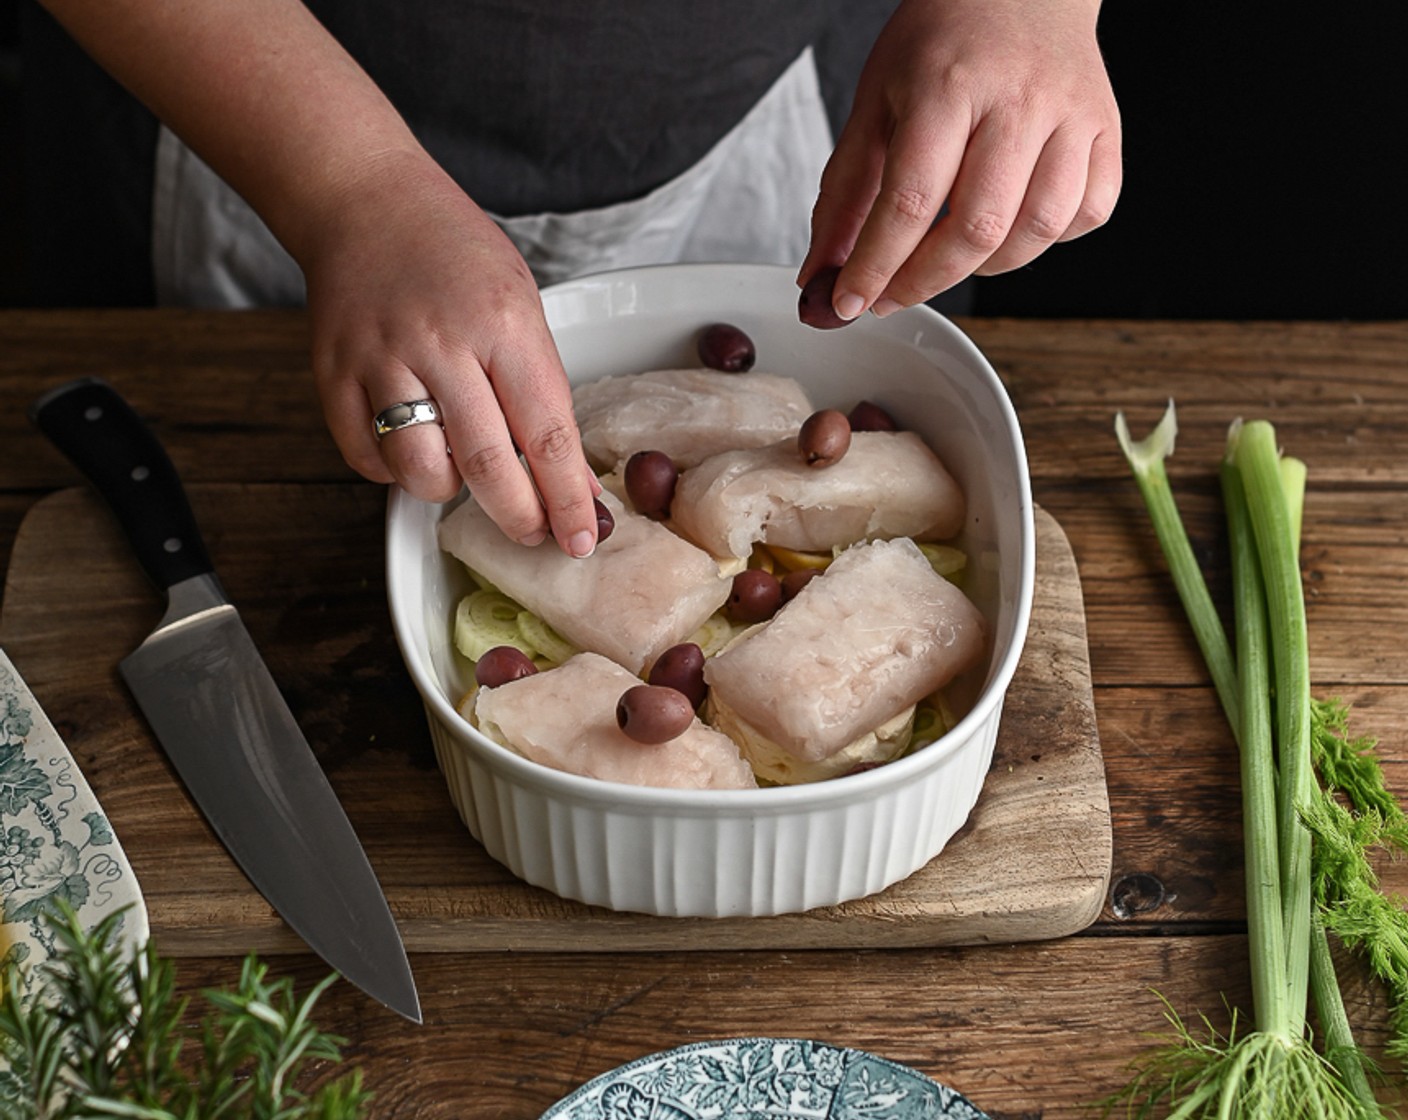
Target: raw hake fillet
[642,591]
[689,414]
[877,631]
[566,718]
[889,484]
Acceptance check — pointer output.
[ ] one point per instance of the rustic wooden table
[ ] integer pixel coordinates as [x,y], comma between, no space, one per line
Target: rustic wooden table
[1025,1028]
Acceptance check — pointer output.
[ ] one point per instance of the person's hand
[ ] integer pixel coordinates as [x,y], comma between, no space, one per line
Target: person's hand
[1000,109]
[414,293]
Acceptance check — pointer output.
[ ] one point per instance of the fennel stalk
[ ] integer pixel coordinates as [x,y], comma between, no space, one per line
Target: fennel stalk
[1274,1071]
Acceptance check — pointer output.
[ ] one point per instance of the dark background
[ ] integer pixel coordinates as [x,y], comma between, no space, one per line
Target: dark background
[1263,171]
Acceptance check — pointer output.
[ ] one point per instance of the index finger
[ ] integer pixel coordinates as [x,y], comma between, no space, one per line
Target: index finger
[849,183]
[921,163]
[533,391]
[484,455]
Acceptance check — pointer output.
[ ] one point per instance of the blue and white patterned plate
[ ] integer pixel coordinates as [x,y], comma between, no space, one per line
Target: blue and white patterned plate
[55,841]
[747,1078]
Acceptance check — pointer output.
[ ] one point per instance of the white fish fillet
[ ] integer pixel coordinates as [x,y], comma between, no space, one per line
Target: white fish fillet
[888,484]
[877,631]
[644,589]
[689,414]
[566,718]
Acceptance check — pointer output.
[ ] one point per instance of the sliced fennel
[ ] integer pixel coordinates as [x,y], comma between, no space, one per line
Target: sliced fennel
[485,619]
[547,643]
[714,633]
[946,560]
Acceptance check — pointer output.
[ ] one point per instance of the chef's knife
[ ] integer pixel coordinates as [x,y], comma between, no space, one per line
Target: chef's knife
[218,714]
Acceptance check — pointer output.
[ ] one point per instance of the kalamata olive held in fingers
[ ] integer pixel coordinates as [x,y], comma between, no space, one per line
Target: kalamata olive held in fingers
[681,667]
[755,596]
[501,665]
[650,483]
[605,523]
[652,713]
[825,438]
[814,304]
[869,417]
[723,346]
[794,581]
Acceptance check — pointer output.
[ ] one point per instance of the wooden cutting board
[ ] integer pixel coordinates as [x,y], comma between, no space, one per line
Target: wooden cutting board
[304,565]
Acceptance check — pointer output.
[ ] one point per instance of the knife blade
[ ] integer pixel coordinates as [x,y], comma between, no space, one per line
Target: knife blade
[218,713]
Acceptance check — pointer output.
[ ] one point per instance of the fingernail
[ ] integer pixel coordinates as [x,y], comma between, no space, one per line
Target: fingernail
[848,305]
[532,540]
[581,545]
[885,306]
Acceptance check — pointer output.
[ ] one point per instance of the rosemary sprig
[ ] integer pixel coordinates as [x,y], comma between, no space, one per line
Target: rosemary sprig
[95,1032]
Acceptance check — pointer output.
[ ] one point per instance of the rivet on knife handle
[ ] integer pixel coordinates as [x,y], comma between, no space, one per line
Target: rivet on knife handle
[90,423]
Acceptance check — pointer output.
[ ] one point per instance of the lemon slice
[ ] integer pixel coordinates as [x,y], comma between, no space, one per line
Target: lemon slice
[793,560]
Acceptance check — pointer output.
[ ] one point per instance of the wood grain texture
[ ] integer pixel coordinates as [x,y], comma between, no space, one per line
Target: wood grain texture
[304,564]
[1036,1029]
[232,396]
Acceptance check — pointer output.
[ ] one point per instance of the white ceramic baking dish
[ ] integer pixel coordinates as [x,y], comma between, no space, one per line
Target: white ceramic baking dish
[749,852]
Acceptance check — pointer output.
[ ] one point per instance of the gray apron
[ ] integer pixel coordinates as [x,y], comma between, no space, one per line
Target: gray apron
[748,200]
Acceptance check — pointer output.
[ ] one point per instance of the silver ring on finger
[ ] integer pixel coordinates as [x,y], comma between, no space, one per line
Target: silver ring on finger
[406,414]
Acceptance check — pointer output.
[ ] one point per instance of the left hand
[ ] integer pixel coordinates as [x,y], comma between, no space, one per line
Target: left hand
[1000,108]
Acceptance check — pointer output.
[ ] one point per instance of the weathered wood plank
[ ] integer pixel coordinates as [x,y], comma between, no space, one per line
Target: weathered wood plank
[1037,1030]
[1334,390]
[1175,805]
[244,394]
[304,565]
[1028,1030]
[229,394]
[1354,562]
[1172,779]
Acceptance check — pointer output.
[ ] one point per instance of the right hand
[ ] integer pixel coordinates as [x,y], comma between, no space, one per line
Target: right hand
[1000,108]
[414,292]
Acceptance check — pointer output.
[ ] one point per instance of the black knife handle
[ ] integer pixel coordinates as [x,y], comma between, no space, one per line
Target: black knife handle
[99,431]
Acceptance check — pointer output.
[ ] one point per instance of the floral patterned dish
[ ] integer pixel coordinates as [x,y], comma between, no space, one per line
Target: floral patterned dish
[743,1078]
[55,842]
